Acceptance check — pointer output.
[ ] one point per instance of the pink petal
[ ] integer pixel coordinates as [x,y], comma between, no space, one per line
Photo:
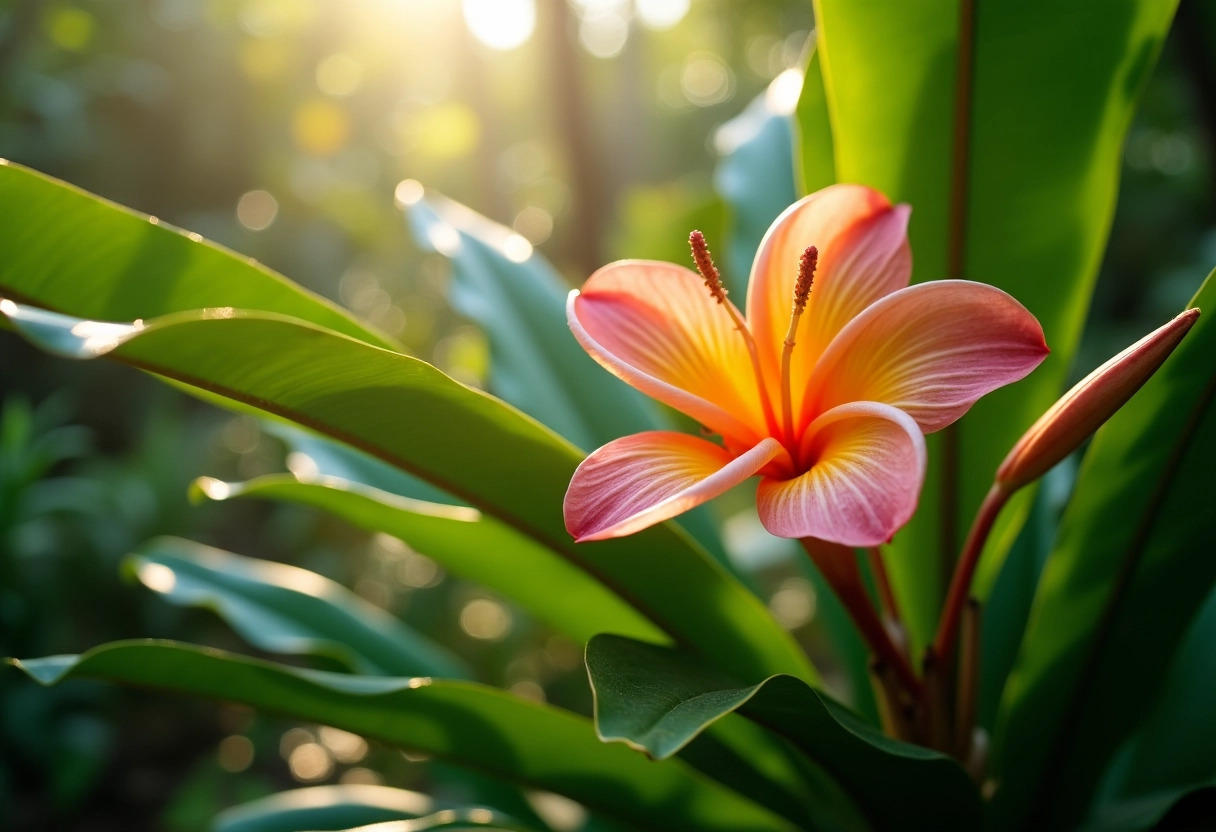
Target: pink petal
[930,350]
[863,256]
[869,465]
[656,326]
[637,481]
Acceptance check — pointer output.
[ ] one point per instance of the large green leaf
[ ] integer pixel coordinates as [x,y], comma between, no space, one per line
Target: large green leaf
[65,249]
[657,699]
[471,445]
[468,544]
[465,723]
[519,301]
[814,158]
[1131,566]
[1176,744]
[284,609]
[1011,183]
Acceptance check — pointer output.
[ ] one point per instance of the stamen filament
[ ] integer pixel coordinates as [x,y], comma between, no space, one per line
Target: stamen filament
[713,282]
[802,291]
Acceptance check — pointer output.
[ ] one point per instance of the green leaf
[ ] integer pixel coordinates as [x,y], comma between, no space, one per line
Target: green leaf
[1171,810]
[285,609]
[471,445]
[347,807]
[814,162]
[468,544]
[1052,92]
[462,722]
[657,699]
[323,807]
[519,301]
[66,249]
[1131,567]
[1176,744]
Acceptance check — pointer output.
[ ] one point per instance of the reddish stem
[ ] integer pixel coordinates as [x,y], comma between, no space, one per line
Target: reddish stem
[964,570]
[838,565]
[886,593]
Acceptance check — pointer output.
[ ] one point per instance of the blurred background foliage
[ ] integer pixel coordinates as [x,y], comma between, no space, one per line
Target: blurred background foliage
[284,129]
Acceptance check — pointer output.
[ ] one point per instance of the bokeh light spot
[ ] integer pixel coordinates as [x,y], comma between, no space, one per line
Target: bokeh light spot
[235,753]
[310,762]
[661,14]
[71,29]
[321,127]
[485,619]
[257,210]
[448,131]
[500,24]
[339,75]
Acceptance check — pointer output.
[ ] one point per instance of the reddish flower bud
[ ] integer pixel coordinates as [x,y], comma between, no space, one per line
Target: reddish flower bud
[1084,408]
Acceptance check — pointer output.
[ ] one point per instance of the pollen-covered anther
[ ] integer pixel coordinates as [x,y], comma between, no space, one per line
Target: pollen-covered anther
[806,277]
[705,265]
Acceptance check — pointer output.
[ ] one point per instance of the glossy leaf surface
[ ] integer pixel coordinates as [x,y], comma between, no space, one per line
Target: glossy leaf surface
[1037,143]
[284,609]
[65,249]
[519,301]
[466,543]
[324,807]
[1131,567]
[471,445]
[462,722]
[657,699]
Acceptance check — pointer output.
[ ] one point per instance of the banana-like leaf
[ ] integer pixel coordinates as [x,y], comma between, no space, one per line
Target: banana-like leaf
[65,249]
[467,543]
[284,609]
[1131,567]
[1010,161]
[814,160]
[657,699]
[462,722]
[519,301]
[471,445]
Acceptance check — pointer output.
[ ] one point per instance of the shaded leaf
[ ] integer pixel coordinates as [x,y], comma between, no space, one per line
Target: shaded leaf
[657,699]
[284,609]
[463,722]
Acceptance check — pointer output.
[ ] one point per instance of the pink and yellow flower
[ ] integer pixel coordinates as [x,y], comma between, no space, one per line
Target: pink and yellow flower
[833,423]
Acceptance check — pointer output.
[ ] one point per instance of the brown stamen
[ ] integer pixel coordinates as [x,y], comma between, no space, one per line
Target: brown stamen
[705,265]
[713,282]
[802,292]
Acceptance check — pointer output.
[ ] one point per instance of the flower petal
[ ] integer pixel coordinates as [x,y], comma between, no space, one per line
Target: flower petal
[930,350]
[869,465]
[637,481]
[657,327]
[863,255]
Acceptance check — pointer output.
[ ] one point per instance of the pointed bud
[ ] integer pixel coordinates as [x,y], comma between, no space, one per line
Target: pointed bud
[1084,408]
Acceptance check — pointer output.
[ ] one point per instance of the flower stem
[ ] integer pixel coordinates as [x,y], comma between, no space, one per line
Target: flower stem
[968,680]
[838,565]
[886,593]
[964,570]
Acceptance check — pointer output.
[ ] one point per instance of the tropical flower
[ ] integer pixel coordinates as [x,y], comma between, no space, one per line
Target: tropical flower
[826,397]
